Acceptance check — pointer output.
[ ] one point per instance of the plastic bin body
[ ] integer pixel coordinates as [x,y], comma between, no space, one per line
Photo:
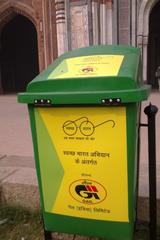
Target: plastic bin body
[84,113]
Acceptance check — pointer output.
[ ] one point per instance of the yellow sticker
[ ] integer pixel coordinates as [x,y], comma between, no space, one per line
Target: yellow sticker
[92,148]
[88,66]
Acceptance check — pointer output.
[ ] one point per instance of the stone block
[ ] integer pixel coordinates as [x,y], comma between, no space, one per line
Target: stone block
[26,196]
[17,161]
[6,172]
[2,156]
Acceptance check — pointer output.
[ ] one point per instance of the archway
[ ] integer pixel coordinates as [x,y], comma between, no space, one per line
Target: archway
[144,10]
[19,54]
[154,45]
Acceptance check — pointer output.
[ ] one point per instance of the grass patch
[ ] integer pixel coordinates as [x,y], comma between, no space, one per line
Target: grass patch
[17,223]
[20,224]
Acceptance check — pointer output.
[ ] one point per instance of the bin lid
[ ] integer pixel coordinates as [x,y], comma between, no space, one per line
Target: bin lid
[92,75]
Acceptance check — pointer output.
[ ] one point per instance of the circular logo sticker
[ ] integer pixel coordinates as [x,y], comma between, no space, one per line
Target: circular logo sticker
[88,70]
[87,191]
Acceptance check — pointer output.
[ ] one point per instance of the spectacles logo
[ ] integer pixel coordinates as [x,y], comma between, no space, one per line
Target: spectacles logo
[84,125]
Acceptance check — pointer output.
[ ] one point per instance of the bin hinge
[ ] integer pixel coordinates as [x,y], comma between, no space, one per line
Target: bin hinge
[111,101]
[42,102]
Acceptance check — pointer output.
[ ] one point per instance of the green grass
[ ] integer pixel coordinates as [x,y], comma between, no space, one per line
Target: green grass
[21,224]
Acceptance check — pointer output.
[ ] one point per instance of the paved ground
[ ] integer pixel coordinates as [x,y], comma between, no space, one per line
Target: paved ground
[18,182]
[15,135]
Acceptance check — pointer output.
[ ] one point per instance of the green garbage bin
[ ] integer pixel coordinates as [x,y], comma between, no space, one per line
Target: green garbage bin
[84,113]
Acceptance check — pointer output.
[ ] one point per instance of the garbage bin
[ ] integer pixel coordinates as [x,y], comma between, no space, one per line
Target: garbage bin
[84,113]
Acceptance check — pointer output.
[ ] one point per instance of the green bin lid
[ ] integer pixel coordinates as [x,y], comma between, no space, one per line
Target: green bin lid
[91,75]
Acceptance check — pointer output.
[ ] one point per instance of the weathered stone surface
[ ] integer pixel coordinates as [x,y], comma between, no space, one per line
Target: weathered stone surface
[143,209]
[17,161]
[79,26]
[62,236]
[20,195]
[82,238]
[6,172]
[2,156]
[124,22]
[25,176]
[18,186]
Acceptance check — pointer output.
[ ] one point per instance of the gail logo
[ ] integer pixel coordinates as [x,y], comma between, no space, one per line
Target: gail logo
[87,191]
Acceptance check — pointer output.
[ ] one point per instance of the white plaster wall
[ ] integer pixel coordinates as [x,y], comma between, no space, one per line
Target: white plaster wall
[79,26]
[62,38]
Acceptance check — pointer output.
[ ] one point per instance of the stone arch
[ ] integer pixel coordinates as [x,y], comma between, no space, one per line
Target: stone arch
[9,11]
[143,31]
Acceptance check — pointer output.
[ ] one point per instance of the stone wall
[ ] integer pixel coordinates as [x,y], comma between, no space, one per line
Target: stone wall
[64,25]
[42,14]
[124,25]
[84,23]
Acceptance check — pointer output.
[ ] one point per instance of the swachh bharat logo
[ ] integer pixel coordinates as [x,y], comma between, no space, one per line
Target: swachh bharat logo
[87,191]
[85,126]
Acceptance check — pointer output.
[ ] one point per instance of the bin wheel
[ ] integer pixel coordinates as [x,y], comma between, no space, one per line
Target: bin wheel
[47,235]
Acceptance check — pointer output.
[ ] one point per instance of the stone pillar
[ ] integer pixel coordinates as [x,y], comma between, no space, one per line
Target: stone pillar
[142,43]
[106,22]
[145,46]
[52,30]
[109,26]
[124,16]
[134,23]
[103,21]
[61,27]
[96,22]
[115,22]
[79,25]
